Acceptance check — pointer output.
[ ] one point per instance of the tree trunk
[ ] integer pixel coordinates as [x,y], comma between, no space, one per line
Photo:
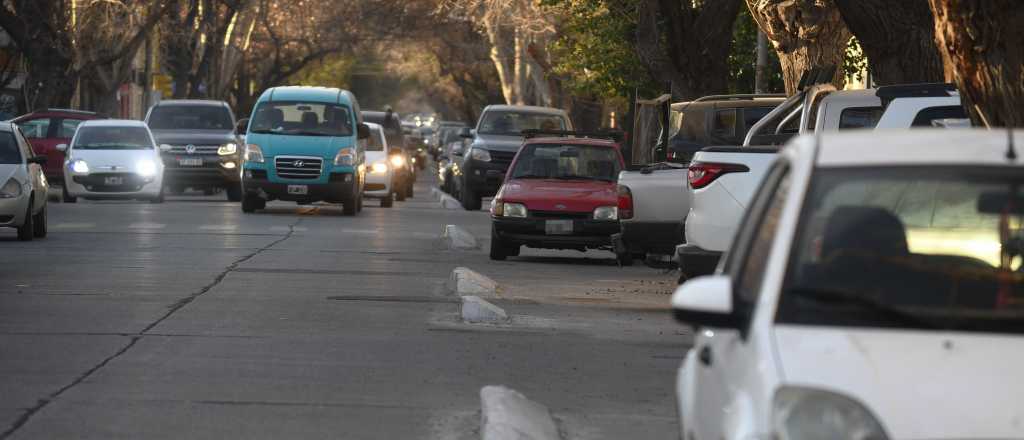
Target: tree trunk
[982,48]
[51,82]
[897,37]
[502,59]
[805,33]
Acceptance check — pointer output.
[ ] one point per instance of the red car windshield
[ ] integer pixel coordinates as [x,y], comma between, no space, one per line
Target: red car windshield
[568,162]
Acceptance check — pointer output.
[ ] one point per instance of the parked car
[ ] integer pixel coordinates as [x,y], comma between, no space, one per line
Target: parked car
[113,159]
[23,185]
[447,162]
[380,181]
[873,291]
[48,128]
[722,179]
[205,151]
[495,141]
[405,175]
[659,190]
[305,144]
[447,132]
[560,193]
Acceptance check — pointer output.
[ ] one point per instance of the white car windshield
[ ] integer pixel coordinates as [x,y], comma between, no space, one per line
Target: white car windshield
[113,138]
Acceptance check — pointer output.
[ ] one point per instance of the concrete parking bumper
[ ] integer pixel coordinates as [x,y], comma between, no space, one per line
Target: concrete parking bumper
[506,414]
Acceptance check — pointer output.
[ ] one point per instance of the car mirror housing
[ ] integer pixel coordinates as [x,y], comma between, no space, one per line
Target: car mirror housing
[62,147]
[363,131]
[705,302]
[466,133]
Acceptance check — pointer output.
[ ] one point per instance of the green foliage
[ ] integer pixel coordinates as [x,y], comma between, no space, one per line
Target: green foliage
[743,58]
[855,64]
[333,71]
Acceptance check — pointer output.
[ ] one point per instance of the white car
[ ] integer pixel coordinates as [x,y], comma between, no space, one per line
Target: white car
[381,174]
[113,159]
[875,290]
[23,186]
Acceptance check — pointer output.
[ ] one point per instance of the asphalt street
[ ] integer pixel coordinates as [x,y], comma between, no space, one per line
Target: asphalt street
[190,319]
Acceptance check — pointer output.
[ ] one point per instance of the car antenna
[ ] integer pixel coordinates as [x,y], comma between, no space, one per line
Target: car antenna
[1011,152]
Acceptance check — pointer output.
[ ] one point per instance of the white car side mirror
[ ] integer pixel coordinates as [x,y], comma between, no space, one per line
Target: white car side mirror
[165,147]
[62,148]
[705,302]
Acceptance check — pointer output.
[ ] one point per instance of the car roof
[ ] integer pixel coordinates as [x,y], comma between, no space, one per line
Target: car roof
[924,146]
[62,112]
[524,109]
[192,102]
[113,123]
[306,93]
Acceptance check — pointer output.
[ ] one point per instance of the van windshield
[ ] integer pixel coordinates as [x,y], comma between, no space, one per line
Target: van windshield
[302,119]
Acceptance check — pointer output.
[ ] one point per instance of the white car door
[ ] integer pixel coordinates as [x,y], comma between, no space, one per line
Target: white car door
[34,173]
[726,356]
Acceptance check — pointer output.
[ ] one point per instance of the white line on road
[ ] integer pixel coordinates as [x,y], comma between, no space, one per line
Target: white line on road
[218,227]
[147,226]
[74,225]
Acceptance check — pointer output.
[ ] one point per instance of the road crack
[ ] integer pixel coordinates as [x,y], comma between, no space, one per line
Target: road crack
[135,337]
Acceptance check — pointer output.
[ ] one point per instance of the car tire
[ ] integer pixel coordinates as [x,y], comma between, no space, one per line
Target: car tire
[348,209]
[234,192]
[501,250]
[359,203]
[67,197]
[27,229]
[470,201]
[252,202]
[387,202]
[159,198]
[400,194]
[39,224]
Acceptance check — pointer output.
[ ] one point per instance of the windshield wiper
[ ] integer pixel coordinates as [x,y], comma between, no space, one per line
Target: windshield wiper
[840,297]
[308,133]
[262,131]
[531,176]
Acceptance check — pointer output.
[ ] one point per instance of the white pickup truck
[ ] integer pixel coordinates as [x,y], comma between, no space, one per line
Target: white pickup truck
[721,180]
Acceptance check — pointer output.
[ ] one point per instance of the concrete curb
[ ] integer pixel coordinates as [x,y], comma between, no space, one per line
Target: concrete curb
[449,202]
[477,310]
[436,193]
[505,414]
[456,238]
[464,281]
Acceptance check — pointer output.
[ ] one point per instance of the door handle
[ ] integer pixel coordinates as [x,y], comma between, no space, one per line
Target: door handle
[705,355]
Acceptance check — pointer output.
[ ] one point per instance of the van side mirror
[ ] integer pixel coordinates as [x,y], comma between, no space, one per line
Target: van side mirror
[363,131]
[705,302]
[466,133]
[242,126]
[63,148]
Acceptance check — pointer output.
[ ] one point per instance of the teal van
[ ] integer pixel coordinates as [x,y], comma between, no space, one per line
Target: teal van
[305,145]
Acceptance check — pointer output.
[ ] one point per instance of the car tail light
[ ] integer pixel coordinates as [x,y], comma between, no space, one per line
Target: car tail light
[625,203]
[701,174]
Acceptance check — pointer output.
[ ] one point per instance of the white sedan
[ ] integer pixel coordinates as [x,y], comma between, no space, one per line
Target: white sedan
[875,290]
[380,179]
[23,186]
[113,159]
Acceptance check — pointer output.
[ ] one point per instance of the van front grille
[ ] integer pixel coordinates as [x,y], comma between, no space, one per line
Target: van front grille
[290,167]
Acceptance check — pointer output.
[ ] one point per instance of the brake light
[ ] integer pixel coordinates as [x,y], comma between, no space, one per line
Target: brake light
[701,174]
[625,203]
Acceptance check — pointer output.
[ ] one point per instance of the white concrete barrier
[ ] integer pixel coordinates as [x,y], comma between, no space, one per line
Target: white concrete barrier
[457,238]
[476,310]
[505,414]
[449,202]
[464,281]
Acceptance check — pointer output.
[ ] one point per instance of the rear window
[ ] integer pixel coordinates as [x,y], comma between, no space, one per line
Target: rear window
[926,117]
[724,124]
[190,117]
[9,153]
[860,117]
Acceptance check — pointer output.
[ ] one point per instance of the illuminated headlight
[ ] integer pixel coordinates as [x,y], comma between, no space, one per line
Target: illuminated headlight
[807,413]
[146,168]
[79,166]
[227,149]
[606,213]
[10,190]
[513,210]
[480,154]
[397,161]
[253,153]
[379,168]
[345,156]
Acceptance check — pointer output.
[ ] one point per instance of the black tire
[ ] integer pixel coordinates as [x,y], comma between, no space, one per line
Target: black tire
[359,203]
[500,250]
[234,192]
[387,202]
[67,197]
[400,194]
[27,230]
[159,198]
[349,208]
[252,202]
[470,201]
[39,224]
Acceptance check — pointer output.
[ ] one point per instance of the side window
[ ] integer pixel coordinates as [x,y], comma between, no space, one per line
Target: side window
[724,124]
[925,117]
[860,117]
[36,128]
[751,115]
[67,127]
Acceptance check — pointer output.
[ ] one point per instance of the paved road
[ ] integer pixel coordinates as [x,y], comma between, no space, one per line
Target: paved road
[192,320]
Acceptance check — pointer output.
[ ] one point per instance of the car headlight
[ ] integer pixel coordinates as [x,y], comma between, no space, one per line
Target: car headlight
[146,168]
[228,149]
[253,153]
[513,210]
[379,168]
[807,413]
[397,161]
[480,154]
[345,156]
[606,213]
[79,166]
[10,190]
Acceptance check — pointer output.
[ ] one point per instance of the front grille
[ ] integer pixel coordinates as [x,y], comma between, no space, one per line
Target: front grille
[292,167]
[200,149]
[503,158]
[560,215]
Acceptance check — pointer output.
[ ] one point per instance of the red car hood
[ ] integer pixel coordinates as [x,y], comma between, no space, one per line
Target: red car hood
[560,195]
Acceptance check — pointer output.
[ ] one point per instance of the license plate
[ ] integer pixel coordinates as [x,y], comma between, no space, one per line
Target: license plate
[191,162]
[115,180]
[558,227]
[298,189]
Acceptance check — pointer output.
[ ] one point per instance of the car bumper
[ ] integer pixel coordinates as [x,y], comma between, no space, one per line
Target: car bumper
[94,186]
[216,171]
[530,232]
[378,185]
[336,190]
[484,178]
[652,237]
[12,211]
[695,261]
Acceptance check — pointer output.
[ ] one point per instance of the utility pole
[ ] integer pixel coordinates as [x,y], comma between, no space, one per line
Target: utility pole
[761,69]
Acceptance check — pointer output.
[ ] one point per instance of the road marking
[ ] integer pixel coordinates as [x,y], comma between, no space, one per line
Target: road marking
[147,226]
[218,227]
[360,231]
[74,225]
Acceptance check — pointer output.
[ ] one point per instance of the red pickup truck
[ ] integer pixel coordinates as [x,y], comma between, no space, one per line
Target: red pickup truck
[560,192]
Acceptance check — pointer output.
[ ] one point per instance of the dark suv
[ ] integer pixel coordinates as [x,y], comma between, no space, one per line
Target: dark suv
[204,148]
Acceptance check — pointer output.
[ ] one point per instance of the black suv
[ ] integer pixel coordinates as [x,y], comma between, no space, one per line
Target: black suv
[200,146]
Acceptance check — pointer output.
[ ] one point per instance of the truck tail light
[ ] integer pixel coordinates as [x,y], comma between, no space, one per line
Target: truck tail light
[625,203]
[701,174]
